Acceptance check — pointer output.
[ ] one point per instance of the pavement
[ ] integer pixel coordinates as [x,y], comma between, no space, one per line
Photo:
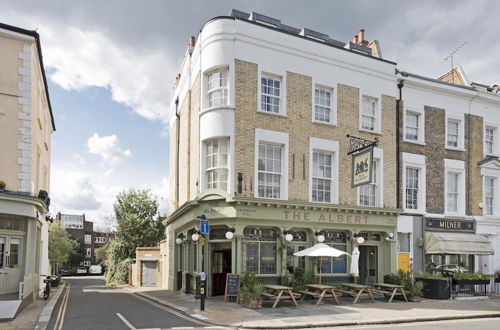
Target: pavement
[328,314]
[29,316]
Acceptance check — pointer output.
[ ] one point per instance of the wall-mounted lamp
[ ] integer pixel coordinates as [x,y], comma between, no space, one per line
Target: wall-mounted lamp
[320,236]
[230,233]
[196,236]
[359,238]
[180,238]
[389,236]
[288,235]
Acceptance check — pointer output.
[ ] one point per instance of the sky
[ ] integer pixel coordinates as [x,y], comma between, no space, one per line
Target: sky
[111,66]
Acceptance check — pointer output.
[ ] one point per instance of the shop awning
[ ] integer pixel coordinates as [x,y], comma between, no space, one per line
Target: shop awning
[457,243]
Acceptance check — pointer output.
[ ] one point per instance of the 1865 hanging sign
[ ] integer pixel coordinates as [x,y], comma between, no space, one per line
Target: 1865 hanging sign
[362,167]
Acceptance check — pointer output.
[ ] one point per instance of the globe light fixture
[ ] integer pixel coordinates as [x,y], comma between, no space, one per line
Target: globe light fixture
[289,237]
[321,238]
[229,235]
[360,239]
[195,237]
[178,240]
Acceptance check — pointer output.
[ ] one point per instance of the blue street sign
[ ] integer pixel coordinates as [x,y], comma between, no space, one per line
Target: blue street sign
[203,276]
[204,226]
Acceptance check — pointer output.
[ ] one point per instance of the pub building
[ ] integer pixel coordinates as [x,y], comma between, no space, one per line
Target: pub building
[453,242]
[261,236]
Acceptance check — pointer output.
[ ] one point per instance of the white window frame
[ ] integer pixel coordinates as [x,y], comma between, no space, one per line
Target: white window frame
[326,146]
[460,121]
[88,252]
[88,239]
[415,161]
[495,196]
[220,88]
[86,263]
[203,160]
[491,170]
[377,129]
[458,167]
[206,169]
[378,156]
[496,140]
[279,139]
[282,97]
[332,108]
[419,111]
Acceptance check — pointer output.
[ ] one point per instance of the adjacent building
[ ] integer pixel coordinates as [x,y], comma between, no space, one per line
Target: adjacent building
[26,126]
[259,123]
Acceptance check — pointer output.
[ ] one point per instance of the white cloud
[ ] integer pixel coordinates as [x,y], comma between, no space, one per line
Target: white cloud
[161,191]
[108,148]
[78,158]
[74,190]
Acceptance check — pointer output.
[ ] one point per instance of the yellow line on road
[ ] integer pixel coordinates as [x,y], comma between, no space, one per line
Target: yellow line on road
[62,309]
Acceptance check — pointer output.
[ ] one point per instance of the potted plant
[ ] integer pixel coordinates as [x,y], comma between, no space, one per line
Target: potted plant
[2,185]
[250,291]
[497,276]
[435,286]
[460,278]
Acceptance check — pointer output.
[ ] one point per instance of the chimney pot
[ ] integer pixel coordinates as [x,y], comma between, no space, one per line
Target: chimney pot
[361,35]
[192,41]
[355,39]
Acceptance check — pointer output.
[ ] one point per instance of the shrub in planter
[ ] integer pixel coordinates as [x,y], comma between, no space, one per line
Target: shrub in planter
[497,276]
[460,278]
[435,286]
[299,279]
[250,291]
[407,280]
[2,185]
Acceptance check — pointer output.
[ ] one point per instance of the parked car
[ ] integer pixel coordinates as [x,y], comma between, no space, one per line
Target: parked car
[81,271]
[66,271]
[451,268]
[95,270]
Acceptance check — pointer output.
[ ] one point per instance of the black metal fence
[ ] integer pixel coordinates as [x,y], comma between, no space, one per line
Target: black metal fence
[469,288]
[496,285]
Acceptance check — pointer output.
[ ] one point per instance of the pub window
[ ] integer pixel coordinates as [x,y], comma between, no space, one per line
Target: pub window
[334,265]
[261,250]
[298,244]
[218,233]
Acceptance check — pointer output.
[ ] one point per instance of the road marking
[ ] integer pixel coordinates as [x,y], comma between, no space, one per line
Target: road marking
[62,309]
[127,323]
[170,310]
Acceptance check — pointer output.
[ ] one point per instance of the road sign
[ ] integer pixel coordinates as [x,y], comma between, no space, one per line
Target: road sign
[204,226]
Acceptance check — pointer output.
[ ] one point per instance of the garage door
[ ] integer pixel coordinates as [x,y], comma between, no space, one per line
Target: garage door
[148,273]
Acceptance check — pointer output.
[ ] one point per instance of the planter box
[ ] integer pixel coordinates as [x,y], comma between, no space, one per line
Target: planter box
[470,282]
[252,304]
[435,288]
[497,279]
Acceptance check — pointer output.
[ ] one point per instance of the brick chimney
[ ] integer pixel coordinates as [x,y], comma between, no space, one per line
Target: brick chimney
[355,39]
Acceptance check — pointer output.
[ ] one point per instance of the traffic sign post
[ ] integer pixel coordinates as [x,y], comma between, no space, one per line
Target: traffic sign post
[204,226]
[204,229]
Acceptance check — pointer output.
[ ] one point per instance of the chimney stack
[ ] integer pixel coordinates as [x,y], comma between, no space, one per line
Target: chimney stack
[361,35]
[177,78]
[192,41]
[355,39]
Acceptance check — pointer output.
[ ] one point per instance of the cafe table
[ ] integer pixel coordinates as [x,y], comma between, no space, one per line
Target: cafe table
[390,290]
[279,292]
[319,291]
[357,290]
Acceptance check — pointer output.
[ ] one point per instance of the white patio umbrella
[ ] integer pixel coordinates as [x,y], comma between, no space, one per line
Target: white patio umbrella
[355,263]
[320,250]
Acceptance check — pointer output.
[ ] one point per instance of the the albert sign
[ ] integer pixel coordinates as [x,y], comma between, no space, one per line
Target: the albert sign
[362,167]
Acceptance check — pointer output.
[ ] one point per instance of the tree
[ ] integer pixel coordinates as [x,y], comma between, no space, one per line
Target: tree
[101,254]
[60,245]
[78,253]
[138,223]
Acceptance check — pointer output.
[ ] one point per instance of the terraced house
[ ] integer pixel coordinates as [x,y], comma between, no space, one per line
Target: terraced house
[259,122]
[26,125]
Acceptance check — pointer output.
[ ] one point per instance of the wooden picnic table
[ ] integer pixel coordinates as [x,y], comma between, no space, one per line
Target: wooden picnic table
[319,291]
[279,292]
[390,290]
[357,290]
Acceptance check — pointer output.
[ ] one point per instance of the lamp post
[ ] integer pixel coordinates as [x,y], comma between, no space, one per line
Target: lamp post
[203,277]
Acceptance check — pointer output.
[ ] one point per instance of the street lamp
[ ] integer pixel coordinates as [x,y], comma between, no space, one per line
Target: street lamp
[320,236]
[359,238]
[180,238]
[288,235]
[195,237]
[230,233]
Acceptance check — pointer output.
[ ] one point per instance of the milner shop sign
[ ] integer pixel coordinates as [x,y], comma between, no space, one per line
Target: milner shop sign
[450,225]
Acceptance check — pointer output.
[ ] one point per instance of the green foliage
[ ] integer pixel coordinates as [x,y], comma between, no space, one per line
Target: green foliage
[250,288]
[299,279]
[497,273]
[77,254]
[102,252]
[138,225]
[61,246]
[432,276]
[471,276]
[407,280]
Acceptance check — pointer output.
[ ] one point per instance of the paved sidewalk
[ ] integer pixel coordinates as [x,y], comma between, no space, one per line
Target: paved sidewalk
[307,314]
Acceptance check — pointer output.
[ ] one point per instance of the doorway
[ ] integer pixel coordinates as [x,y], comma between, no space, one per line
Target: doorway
[221,266]
[148,273]
[368,268]
[10,262]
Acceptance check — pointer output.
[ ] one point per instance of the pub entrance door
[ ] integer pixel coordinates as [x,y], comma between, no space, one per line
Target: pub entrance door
[221,266]
[368,268]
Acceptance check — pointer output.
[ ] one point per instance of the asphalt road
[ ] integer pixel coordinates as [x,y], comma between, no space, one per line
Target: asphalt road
[467,324]
[91,305]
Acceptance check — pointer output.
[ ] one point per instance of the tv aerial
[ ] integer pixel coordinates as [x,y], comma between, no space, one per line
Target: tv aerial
[450,57]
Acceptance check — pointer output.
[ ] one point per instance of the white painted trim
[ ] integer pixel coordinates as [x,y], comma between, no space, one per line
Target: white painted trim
[204,88]
[316,144]
[272,74]
[455,166]
[491,169]
[461,130]
[421,124]
[419,162]
[378,112]
[333,101]
[203,163]
[278,138]
[496,139]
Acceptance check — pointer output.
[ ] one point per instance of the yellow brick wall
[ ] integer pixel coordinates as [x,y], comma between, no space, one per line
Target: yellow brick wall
[300,127]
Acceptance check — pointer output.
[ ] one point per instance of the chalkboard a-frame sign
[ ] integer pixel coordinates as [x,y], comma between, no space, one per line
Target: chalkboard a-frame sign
[232,287]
